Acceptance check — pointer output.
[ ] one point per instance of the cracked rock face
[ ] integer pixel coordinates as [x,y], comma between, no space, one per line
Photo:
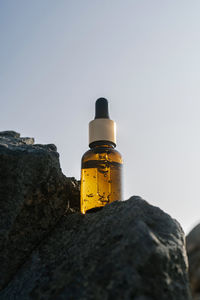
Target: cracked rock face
[193,251]
[34,194]
[48,250]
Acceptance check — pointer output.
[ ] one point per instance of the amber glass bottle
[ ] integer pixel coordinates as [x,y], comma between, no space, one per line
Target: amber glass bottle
[101,166]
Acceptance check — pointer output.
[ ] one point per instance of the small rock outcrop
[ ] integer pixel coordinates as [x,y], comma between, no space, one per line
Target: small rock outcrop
[34,194]
[193,251]
[48,250]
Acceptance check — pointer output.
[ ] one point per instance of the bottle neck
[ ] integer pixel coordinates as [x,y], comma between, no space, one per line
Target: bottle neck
[100,144]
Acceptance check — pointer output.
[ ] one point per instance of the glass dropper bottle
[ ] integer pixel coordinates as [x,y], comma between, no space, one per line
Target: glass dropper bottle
[101,166]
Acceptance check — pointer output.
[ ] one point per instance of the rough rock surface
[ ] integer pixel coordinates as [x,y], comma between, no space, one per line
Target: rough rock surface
[193,251]
[48,250]
[34,194]
[127,250]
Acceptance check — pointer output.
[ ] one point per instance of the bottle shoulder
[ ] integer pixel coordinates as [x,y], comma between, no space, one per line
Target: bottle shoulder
[100,152]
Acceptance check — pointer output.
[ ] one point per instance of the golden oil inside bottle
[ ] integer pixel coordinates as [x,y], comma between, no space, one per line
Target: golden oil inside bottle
[101,175]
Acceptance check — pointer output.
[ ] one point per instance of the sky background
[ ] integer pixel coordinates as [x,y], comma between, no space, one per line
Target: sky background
[58,57]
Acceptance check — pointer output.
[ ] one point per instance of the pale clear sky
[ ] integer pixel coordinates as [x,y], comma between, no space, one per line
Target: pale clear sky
[58,57]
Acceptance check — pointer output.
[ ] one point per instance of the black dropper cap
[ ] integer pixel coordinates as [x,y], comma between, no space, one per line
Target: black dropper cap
[101,109]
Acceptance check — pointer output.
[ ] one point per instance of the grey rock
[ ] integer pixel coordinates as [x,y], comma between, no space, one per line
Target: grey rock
[34,194]
[193,251]
[127,250]
[10,133]
[11,139]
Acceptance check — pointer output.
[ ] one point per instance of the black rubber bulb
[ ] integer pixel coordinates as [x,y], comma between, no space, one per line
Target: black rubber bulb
[101,109]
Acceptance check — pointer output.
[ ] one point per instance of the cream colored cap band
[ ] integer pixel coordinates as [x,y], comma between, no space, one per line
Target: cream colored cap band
[102,130]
